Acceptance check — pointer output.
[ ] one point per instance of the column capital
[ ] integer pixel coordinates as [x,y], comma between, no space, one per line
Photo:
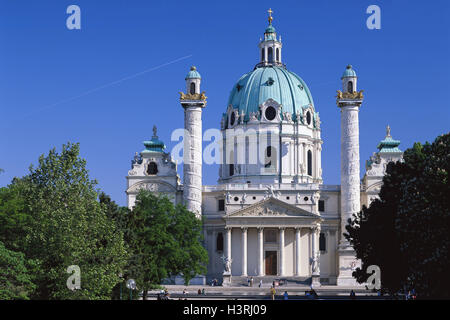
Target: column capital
[227,228]
[244,229]
[260,229]
[282,228]
[297,229]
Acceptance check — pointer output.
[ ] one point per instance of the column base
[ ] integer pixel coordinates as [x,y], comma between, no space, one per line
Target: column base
[347,264]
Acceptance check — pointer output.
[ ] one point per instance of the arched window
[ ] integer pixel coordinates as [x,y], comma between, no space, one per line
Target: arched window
[322,242]
[231,164]
[219,242]
[270,54]
[278,54]
[350,86]
[192,88]
[270,157]
[309,163]
[308,118]
[152,168]
[262,54]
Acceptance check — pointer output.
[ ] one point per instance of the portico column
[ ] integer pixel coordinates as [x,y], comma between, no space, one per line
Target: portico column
[297,252]
[312,247]
[260,252]
[228,242]
[282,251]
[244,251]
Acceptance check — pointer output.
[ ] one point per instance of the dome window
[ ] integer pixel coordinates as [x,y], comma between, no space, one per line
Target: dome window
[152,168]
[270,81]
[278,54]
[270,113]
[309,163]
[192,90]
[300,86]
[308,118]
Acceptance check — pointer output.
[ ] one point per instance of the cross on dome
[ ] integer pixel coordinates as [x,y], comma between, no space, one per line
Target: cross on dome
[270,15]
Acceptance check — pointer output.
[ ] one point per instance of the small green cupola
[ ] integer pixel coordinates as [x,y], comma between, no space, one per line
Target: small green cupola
[349,72]
[193,74]
[389,145]
[154,145]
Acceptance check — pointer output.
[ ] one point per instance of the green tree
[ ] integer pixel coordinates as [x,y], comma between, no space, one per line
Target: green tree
[165,241]
[14,216]
[16,280]
[406,233]
[191,257]
[66,225]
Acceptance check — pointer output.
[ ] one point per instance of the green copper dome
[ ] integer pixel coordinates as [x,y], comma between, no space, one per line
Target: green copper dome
[193,74]
[270,29]
[270,82]
[389,145]
[349,72]
[154,145]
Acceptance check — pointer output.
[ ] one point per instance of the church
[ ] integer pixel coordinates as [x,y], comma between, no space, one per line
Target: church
[270,216]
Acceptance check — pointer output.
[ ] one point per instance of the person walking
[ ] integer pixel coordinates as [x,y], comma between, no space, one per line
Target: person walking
[286,296]
[260,283]
[273,292]
[251,282]
[352,295]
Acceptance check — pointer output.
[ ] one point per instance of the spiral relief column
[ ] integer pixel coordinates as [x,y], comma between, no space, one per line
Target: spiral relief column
[349,101]
[193,102]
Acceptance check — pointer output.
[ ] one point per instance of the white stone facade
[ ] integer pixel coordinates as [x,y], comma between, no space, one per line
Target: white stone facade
[270,215]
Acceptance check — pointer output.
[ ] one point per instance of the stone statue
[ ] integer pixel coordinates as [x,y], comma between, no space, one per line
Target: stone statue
[244,198]
[228,196]
[315,264]
[271,190]
[298,197]
[227,264]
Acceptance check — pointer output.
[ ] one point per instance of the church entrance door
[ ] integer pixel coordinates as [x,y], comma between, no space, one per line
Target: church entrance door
[271,263]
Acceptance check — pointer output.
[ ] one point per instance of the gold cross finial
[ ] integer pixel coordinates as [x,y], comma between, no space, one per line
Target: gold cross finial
[270,15]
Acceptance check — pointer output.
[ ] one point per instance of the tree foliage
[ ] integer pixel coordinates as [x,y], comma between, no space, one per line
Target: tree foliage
[16,275]
[57,221]
[165,240]
[406,231]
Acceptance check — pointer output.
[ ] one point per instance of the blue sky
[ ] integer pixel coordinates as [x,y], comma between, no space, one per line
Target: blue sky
[46,69]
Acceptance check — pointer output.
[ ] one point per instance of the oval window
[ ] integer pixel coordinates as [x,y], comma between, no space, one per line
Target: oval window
[308,118]
[270,113]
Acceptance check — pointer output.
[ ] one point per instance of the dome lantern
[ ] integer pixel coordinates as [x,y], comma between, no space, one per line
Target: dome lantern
[349,79]
[270,47]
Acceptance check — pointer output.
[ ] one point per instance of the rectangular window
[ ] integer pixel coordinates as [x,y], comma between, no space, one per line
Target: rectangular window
[270,236]
[221,204]
[322,242]
[322,205]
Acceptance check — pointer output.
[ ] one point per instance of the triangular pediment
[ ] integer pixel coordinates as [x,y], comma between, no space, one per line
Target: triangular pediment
[272,207]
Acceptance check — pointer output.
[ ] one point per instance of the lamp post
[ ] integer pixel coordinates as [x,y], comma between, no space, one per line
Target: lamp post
[131,284]
[121,282]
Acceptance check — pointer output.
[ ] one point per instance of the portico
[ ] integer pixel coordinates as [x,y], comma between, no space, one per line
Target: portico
[272,237]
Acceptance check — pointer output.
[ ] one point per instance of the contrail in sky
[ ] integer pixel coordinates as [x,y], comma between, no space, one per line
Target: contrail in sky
[108,85]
